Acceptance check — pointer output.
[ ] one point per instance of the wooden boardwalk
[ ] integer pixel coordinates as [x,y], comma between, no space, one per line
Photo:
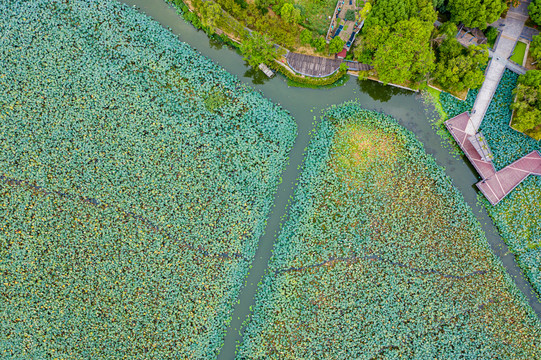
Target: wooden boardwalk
[313,66]
[495,185]
[316,66]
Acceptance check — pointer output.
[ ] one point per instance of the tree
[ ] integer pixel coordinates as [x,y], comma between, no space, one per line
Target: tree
[210,14]
[535,47]
[350,15]
[375,36]
[366,10]
[476,13]
[459,68]
[389,12]
[257,49]
[527,105]
[290,14]
[406,54]
[319,43]
[336,45]
[306,37]
[534,10]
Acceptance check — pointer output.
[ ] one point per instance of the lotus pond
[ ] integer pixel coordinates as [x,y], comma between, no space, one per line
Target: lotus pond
[382,258]
[518,216]
[136,177]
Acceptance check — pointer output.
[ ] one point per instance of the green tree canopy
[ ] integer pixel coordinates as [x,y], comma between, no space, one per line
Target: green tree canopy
[535,47]
[476,13]
[336,45]
[534,10]
[459,68]
[290,14]
[211,13]
[406,54]
[306,37]
[527,105]
[257,49]
[319,43]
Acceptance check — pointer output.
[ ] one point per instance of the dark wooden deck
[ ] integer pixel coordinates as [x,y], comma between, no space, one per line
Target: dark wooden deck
[314,66]
[495,185]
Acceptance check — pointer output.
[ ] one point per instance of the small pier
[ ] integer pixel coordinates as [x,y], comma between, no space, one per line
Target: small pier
[266,70]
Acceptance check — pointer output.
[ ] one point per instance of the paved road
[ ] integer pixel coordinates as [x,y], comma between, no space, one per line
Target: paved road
[511,31]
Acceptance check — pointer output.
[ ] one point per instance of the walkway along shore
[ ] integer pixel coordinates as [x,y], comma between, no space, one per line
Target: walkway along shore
[495,185]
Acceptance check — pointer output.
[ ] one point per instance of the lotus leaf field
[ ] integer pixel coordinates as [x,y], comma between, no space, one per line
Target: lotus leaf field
[518,216]
[382,258]
[136,177]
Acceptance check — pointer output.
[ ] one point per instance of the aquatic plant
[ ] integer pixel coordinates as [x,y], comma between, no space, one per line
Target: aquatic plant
[382,258]
[517,216]
[136,177]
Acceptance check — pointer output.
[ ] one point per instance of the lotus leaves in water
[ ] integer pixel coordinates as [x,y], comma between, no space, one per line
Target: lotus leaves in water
[518,216]
[136,179]
[382,258]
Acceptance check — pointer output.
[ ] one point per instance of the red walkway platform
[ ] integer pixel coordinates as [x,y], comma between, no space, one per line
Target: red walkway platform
[495,184]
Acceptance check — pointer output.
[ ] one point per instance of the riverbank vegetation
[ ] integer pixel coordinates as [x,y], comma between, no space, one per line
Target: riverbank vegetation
[398,38]
[518,215]
[382,258]
[136,177]
[527,104]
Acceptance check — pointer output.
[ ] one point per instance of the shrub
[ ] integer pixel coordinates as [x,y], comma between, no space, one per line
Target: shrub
[350,15]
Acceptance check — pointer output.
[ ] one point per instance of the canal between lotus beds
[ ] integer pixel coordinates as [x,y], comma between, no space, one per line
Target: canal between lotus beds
[306,105]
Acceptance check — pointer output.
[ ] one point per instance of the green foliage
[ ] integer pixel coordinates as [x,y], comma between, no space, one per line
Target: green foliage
[336,45]
[367,8]
[459,68]
[335,80]
[380,246]
[258,49]
[406,54]
[534,10]
[492,34]
[131,201]
[448,29]
[350,15]
[211,14]
[312,82]
[535,47]
[290,14]
[527,105]
[389,12]
[319,43]
[306,37]
[476,13]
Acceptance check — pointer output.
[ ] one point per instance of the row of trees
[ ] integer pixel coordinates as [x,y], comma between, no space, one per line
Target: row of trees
[527,105]
[400,41]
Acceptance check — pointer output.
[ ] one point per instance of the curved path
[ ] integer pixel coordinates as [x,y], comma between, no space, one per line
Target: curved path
[313,66]
[305,106]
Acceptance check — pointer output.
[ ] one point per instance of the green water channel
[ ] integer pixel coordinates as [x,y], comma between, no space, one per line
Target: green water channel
[306,105]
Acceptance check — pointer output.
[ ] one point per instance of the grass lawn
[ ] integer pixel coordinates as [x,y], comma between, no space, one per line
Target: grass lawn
[316,13]
[519,52]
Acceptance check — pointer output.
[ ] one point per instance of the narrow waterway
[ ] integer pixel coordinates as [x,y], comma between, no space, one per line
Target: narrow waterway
[306,105]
